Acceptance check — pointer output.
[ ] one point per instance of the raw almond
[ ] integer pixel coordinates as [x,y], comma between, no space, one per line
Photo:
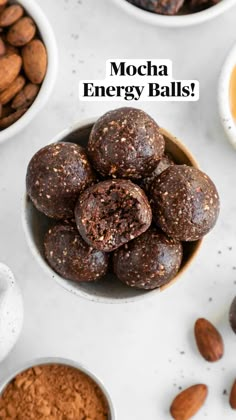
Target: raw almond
[232,315]
[35,61]
[15,87]
[11,14]
[10,66]
[21,32]
[3,2]
[12,118]
[2,47]
[209,341]
[188,402]
[232,398]
[26,96]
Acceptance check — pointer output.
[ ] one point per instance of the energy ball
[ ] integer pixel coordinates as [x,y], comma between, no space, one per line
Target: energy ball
[162,7]
[185,202]
[56,175]
[149,261]
[162,165]
[111,213]
[125,143]
[71,257]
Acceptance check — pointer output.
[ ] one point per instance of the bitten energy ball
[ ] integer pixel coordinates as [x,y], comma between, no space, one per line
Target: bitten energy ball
[149,261]
[56,175]
[162,165]
[111,213]
[163,7]
[71,257]
[125,143]
[185,202]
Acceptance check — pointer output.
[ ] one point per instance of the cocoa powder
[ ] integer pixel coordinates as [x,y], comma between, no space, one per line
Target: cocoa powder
[53,392]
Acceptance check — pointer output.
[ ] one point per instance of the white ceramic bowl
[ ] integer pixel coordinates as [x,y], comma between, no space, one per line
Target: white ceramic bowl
[109,289]
[47,35]
[60,361]
[226,117]
[178,20]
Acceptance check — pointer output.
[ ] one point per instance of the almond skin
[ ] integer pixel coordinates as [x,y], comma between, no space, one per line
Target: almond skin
[26,96]
[209,341]
[12,118]
[21,32]
[188,402]
[11,14]
[15,87]
[2,47]
[10,66]
[232,398]
[35,61]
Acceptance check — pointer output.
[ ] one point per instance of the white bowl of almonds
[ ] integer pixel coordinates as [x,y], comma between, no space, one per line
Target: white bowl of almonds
[28,64]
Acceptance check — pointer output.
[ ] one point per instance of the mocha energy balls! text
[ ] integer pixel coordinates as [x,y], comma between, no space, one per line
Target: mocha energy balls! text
[149,261]
[185,202]
[111,213]
[71,257]
[125,143]
[56,175]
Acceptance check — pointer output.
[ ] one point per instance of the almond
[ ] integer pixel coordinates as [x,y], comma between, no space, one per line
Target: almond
[232,398]
[11,14]
[10,66]
[12,118]
[12,90]
[35,61]
[232,315]
[26,96]
[188,402]
[21,32]
[3,2]
[2,47]
[209,341]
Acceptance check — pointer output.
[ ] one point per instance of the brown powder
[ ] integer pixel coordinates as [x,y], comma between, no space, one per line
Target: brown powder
[53,392]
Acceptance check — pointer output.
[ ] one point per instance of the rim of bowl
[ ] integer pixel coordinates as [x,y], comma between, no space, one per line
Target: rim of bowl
[68,285]
[226,116]
[60,361]
[175,21]
[46,88]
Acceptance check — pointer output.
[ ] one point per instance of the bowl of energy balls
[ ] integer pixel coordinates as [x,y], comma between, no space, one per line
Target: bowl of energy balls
[175,12]
[116,208]
[28,64]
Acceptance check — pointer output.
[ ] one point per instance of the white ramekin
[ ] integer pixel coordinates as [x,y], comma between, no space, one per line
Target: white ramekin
[35,225]
[60,361]
[226,117]
[46,32]
[175,21]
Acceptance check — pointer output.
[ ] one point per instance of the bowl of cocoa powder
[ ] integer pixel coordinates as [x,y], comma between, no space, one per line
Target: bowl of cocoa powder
[54,388]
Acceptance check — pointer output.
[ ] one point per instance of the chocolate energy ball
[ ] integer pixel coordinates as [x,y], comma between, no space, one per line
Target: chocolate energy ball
[71,257]
[56,175]
[125,143]
[163,7]
[149,261]
[185,202]
[111,213]
[162,165]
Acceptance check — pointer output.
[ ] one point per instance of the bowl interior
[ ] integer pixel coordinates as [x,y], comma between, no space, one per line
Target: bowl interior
[109,289]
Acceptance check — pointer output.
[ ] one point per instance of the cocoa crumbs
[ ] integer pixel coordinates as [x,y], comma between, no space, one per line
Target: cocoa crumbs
[53,392]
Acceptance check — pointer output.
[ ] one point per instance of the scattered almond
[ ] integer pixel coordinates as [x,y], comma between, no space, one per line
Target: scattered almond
[189,402]
[232,398]
[15,87]
[10,66]
[232,315]
[12,118]
[35,61]
[10,15]
[21,32]
[3,2]
[26,96]
[2,47]
[209,341]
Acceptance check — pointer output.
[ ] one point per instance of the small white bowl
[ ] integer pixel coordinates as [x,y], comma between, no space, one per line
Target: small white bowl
[47,35]
[226,116]
[60,361]
[178,20]
[109,289]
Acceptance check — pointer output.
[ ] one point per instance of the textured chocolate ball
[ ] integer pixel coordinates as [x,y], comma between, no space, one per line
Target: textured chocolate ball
[111,213]
[185,202]
[162,7]
[125,143]
[149,261]
[71,257]
[162,165]
[56,175]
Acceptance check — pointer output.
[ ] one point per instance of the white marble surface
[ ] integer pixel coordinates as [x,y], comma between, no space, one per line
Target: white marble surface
[136,349]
